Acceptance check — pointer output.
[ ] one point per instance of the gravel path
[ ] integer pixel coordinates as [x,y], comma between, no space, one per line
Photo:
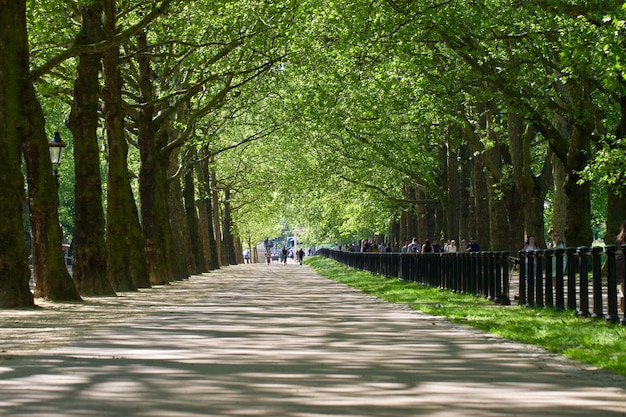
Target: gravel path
[277,340]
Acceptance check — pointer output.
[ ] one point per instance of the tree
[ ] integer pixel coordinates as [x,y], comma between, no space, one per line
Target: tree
[14,270]
[90,258]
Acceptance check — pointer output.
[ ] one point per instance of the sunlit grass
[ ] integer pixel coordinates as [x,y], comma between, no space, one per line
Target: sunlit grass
[590,341]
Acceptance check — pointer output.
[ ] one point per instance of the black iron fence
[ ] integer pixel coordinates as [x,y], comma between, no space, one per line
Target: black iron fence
[568,278]
[481,273]
[563,278]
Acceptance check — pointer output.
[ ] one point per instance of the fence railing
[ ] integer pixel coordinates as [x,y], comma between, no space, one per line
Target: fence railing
[567,279]
[480,273]
[562,278]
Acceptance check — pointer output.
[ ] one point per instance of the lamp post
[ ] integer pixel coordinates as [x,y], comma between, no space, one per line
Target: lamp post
[56,146]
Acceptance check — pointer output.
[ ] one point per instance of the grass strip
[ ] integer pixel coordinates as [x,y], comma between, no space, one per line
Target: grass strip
[590,341]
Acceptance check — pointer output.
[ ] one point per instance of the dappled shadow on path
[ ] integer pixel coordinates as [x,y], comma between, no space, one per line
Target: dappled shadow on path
[281,341]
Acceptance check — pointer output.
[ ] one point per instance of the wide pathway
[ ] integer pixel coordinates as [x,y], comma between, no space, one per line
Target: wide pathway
[279,340]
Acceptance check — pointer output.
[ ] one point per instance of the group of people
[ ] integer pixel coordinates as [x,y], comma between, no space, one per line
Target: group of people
[367,246]
[433,246]
[285,254]
[555,243]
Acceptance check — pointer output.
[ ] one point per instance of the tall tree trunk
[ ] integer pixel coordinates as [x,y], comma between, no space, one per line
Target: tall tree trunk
[14,270]
[559,201]
[127,266]
[206,213]
[572,144]
[408,218]
[498,218]
[422,218]
[90,258]
[152,180]
[578,210]
[228,243]
[183,262]
[394,234]
[467,225]
[191,215]
[616,204]
[480,200]
[52,280]
[532,188]
[215,202]
[453,208]
[214,262]
[203,231]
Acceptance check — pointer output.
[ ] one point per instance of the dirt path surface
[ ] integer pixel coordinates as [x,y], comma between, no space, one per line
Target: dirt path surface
[277,340]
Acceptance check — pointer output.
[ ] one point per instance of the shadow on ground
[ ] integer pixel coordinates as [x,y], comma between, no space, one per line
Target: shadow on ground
[278,340]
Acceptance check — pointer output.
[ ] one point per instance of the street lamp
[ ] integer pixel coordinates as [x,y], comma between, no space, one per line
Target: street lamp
[56,146]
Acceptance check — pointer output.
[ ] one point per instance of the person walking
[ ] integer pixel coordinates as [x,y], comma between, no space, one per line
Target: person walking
[300,255]
[285,254]
[246,256]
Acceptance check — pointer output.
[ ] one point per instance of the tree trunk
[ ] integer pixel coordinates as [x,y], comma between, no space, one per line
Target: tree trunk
[183,262]
[213,245]
[90,258]
[616,204]
[228,243]
[516,220]
[498,219]
[578,210]
[532,188]
[480,200]
[152,180]
[559,201]
[422,218]
[206,214]
[454,193]
[14,270]
[203,231]
[408,218]
[191,215]
[52,280]
[467,225]
[215,202]
[127,267]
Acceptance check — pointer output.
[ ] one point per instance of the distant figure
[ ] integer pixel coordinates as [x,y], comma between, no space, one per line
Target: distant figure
[472,246]
[268,258]
[414,247]
[530,245]
[246,256]
[452,247]
[301,255]
[427,247]
[284,252]
[388,248]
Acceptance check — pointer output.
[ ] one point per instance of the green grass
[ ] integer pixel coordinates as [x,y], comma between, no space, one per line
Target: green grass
[589,341]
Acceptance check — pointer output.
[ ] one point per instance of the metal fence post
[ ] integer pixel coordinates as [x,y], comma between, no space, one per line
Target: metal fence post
[539,255]
[571,278]
[612,315]
[596,264]
[523,299]
[559,285]
[583,311]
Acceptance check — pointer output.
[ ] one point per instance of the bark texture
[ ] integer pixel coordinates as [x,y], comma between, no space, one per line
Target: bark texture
[90,259]
[14,270]
[127,267]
